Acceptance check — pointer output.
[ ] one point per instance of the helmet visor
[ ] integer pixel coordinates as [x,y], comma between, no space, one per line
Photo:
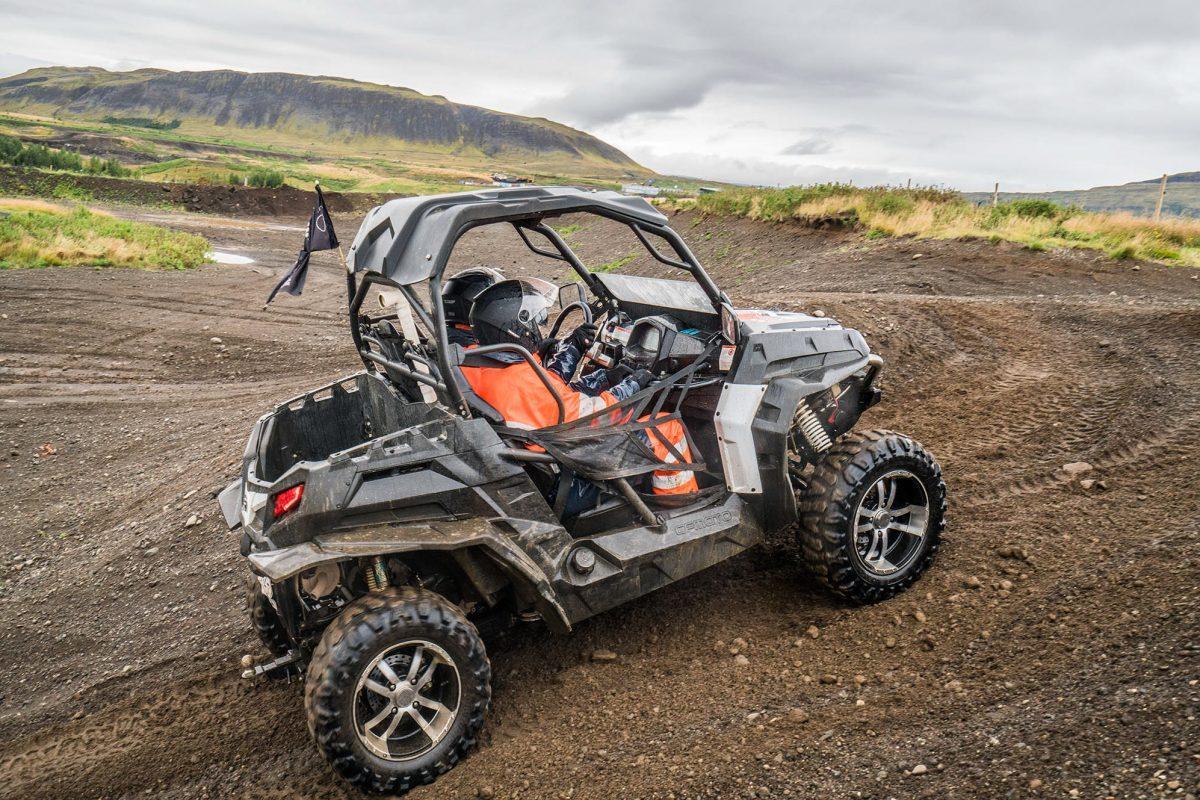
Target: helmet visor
[542,287]
[537,296]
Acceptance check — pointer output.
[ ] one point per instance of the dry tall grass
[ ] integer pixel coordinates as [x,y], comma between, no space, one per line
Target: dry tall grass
[934,214]
[38,234]
[11,204]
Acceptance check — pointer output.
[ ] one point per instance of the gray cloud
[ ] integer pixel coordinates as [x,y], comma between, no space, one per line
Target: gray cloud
[809,145]
[1034,94]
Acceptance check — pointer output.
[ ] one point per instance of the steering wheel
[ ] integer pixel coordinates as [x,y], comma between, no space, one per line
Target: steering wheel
[562,315]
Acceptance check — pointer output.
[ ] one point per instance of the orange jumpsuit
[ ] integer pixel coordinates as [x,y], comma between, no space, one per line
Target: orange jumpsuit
[515,390]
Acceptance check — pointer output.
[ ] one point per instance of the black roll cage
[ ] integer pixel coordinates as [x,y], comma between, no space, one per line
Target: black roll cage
[435,323]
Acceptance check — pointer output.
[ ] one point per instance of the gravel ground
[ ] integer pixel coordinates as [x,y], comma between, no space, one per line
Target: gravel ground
[1052,651]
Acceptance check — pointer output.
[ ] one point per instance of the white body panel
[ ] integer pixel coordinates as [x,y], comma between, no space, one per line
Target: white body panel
[735,436]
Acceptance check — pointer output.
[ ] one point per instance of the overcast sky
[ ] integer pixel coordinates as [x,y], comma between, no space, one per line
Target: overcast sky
[1038,95]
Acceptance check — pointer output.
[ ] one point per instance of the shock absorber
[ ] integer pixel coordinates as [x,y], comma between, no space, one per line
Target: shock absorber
[811,428]
[377,577]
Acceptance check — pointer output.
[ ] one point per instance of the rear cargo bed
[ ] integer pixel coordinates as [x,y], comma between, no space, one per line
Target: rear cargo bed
[334,418]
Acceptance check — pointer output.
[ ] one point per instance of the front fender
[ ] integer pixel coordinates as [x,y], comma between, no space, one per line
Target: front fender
[771,426]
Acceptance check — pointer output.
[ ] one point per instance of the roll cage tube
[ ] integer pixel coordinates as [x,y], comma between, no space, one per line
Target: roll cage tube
[686,261]
[443,345]
[436,328]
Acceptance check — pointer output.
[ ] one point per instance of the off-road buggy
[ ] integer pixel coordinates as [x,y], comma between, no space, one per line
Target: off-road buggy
[392,515]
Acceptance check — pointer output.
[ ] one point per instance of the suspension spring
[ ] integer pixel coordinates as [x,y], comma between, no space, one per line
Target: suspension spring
[377,577]
[811,428]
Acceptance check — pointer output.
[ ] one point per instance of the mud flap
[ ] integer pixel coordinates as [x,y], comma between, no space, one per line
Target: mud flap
[229,501]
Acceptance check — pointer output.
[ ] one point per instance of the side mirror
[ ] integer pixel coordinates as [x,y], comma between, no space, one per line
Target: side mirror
[570,293]
[729,323]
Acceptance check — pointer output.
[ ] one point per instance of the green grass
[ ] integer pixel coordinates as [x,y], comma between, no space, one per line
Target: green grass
[930,213]
[616,263]
[67,191]
[36,234]
[566,231]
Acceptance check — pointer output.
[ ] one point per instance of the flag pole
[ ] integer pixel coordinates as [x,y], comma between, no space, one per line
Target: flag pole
[350,288]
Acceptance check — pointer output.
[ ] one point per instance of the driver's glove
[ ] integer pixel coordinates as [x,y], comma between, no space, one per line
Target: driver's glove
[618,373]
[546,349]
[583,336]
[627,383]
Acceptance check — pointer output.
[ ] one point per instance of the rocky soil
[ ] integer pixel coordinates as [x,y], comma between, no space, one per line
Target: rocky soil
[242,201]
[1052,651]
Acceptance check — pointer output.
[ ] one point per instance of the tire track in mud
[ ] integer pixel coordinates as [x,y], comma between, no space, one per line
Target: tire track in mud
[114,749]
[1150,451]
[168,304]
[49,393]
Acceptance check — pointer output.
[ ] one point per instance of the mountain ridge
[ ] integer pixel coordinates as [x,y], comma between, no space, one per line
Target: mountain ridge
[328,110]
[1136,197]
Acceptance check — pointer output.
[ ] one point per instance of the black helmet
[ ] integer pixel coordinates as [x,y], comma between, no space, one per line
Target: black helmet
[462,289]
[512,312]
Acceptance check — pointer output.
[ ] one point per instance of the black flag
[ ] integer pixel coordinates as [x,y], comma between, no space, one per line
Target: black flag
[320,228]
[320,236]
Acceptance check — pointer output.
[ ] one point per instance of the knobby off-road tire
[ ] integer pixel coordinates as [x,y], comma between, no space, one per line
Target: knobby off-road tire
[265,620]
[385,628]
[843,514]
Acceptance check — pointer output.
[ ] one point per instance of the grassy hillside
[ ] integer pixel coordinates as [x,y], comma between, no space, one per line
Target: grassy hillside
[38,234]
[936,214]
[325,114]
[225,127]
[1140,197]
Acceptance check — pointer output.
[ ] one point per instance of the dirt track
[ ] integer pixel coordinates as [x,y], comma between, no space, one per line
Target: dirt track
[1072,666]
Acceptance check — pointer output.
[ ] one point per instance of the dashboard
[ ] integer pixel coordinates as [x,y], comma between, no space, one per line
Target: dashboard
[660,343]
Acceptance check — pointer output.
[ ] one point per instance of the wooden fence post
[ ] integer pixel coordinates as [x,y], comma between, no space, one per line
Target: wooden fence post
[996,194]
[1162,192]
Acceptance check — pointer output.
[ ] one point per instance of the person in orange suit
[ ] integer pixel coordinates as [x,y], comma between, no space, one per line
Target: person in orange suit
[513,312]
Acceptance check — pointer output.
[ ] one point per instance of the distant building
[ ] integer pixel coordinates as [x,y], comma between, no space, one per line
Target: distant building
[641,190]
[709,190]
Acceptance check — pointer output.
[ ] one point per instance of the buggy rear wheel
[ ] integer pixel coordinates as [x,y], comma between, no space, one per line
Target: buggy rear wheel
[871,519]
[397,689]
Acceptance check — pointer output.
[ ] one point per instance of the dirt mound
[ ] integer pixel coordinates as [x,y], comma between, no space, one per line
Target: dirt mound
[233,200]
[1050,650]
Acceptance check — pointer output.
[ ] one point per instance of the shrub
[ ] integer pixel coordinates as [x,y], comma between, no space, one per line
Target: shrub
[143,122]
[39,156]
[266,178]
[891,203]
[1033,208]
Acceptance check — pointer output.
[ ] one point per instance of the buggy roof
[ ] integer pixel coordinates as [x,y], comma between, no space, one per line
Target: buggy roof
[409,239]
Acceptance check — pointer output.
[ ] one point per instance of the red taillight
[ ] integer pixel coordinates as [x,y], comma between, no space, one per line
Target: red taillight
[288,499]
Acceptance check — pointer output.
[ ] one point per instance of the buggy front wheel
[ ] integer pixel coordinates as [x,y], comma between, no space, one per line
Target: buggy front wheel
[871,518]
[397,689]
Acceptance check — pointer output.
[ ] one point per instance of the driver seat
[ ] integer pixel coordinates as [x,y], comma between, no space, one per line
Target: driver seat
[457,355]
